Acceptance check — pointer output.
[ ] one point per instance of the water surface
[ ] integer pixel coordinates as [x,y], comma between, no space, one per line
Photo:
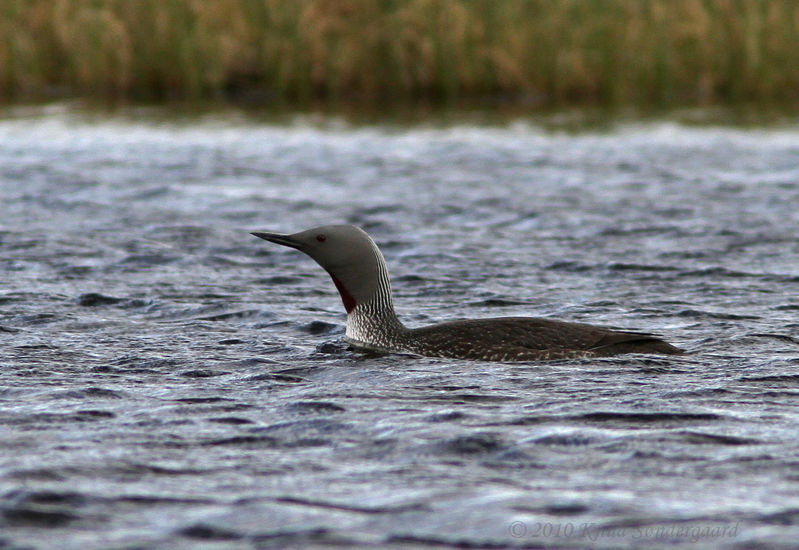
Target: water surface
[168,380]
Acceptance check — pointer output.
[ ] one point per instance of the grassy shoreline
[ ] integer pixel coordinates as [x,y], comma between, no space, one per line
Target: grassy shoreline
[533,52]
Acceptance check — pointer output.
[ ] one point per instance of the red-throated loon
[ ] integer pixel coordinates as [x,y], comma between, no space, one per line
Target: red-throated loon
[359,272]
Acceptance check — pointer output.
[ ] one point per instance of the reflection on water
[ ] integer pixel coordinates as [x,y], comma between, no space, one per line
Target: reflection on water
[167,379]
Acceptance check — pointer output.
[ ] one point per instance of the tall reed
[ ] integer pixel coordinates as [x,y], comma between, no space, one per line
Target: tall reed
[547,51]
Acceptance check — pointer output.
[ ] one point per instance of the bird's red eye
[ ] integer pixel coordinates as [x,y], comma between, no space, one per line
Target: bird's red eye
[321,237]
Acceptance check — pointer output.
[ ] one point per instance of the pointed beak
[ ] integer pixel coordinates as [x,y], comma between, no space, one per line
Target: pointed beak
[278,238]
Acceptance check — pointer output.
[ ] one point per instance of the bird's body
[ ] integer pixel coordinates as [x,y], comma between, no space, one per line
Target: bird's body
[360,274]
[527,339]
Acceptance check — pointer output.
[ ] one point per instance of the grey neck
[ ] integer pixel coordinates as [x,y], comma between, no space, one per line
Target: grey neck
[374,322]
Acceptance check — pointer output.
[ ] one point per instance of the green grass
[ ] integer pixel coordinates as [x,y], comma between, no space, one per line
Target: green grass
[547,52]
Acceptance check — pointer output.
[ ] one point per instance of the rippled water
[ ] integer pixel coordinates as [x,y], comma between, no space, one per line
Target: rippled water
[168,380]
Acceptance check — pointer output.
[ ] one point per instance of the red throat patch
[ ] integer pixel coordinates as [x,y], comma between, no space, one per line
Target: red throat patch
[346,297]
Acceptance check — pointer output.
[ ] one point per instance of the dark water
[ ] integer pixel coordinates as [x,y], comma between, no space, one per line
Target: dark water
[169,381]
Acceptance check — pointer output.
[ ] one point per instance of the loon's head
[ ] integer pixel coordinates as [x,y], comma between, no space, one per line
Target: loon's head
[347,253]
